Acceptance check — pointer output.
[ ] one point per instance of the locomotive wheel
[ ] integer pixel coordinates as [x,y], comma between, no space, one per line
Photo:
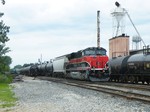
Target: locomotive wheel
[132,79]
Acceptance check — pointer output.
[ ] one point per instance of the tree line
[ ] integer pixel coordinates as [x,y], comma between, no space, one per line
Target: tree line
[5,60]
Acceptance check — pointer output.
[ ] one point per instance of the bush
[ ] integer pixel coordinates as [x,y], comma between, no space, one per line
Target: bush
[6,78]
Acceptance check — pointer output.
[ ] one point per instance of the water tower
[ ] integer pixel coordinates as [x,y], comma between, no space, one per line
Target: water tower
[118,20]
[136,41]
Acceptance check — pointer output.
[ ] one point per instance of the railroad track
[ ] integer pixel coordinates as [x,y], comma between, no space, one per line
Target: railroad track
[126,85]
[140,93]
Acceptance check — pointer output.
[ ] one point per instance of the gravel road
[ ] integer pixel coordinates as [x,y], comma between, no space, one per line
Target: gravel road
[44,96]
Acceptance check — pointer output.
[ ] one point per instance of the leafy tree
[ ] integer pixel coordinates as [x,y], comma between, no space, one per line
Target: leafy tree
[3,32]
[5,61]
[3,49]
[3,2]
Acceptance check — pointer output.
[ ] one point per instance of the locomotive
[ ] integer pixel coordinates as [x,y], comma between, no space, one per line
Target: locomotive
[133,68]
[86,64]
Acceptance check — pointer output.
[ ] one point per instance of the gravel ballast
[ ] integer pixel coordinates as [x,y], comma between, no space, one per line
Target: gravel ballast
[44,96]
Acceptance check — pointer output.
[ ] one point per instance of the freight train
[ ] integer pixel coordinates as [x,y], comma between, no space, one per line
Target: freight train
[86,64]
[92,63]
[132,68]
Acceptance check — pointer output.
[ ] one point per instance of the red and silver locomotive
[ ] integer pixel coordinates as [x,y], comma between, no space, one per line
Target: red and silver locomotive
[88,63]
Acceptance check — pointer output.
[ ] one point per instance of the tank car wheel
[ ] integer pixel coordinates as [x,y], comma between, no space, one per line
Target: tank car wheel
[125,79]
[147,82]
[110,79]
[115,79]
[122,79]
[143,82]
[136,80]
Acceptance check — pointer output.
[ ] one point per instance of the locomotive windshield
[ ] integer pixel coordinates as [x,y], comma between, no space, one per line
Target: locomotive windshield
[88,52]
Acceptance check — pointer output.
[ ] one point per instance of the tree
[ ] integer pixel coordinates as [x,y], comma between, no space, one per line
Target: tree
[5,61]
[3,32]
[3,2]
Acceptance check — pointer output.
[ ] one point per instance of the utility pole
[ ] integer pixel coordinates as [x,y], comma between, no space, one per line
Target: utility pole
[98,28]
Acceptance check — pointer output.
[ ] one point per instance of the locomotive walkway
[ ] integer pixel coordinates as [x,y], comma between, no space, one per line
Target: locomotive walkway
[129,91]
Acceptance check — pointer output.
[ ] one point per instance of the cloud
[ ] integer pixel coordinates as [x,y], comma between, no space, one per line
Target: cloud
[57,27]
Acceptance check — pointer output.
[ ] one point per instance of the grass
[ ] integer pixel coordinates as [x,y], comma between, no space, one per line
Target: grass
[7,97]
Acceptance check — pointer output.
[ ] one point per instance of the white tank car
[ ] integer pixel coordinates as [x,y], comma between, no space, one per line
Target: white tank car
[59,64]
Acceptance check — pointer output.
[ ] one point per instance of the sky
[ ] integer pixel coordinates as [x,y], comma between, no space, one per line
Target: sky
[50,28]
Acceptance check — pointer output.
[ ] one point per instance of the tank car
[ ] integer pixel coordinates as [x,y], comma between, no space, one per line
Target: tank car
[139,68]
[49,69]
[134,68]
[25,70]
[118,68]
[34,70]
[41,69]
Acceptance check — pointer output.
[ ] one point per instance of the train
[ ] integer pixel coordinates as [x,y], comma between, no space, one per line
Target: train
[93,64]
[133,68]
[87,64]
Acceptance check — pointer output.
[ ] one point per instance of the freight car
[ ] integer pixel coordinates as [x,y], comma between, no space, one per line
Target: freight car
[134,68]
[84,65]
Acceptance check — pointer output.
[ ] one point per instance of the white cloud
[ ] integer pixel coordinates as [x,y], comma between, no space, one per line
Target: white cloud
[56,27]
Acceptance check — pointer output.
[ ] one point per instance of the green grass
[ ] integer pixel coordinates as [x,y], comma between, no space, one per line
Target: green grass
[7,97]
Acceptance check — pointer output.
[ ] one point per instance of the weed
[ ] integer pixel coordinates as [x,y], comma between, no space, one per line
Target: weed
[7,97]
